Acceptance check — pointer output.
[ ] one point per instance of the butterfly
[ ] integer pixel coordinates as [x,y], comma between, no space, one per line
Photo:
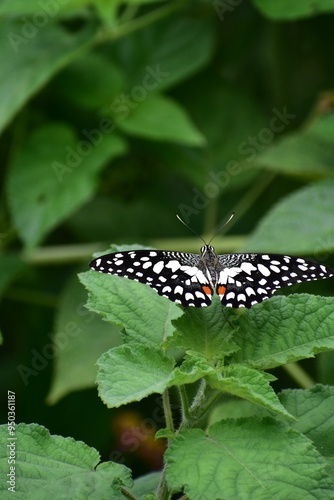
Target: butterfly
[239,279]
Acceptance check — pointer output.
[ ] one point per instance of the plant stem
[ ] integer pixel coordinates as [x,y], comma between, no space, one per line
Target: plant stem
[140,22]
[167,411]
[184,402]
[127,494]
[299,375]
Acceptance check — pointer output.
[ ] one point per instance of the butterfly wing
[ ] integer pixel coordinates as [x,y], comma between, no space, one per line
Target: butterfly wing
[248,279]
[173,275]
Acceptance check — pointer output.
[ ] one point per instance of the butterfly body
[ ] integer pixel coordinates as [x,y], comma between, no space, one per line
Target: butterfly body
[240,280]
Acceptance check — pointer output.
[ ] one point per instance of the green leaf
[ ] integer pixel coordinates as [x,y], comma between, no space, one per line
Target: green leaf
[159,118]
[301,223]
[192,369]
[314,411]
[283,330]
[30,61]
[122,379]
[235,408]
[165,52]
[45,464]
[285,9]
[145,316]
[305,153]
[249,384]
[91,82]
[325,363]
[227,117]
[80,339]
[246,459]
[54,174]
[205,331]
[145,484]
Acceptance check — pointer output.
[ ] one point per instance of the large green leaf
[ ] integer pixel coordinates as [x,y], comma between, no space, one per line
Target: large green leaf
[246,458]
[45,464]
[80,338]
[140,311]
[91,82]
[314,410]
[285,9]
[301,223]
[203,330]
[305,153]
[166,52]
[157,117]
[131,372]
[284,329]
[29,60]
[249,384]
[54,174]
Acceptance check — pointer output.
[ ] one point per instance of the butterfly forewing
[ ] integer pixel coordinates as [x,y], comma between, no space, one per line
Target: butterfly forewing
[240,280]
[251,278]
[173,275]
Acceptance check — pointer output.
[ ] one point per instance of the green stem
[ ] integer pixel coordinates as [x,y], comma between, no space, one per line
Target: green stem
[35,297]
[162,491]
[127,494]
[139,23]
[299,375]
[67,254]
[167,411]
[184,403]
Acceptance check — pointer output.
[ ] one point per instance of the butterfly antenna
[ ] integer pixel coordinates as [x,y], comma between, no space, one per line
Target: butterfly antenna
[222,227]
[190,228]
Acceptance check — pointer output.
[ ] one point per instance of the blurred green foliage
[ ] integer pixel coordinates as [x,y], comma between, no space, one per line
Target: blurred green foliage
[116,114]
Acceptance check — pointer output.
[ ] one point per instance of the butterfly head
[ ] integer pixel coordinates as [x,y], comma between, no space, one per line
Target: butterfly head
[208,252]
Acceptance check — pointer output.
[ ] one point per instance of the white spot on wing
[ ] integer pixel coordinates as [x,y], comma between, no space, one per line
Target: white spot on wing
[174,265]
[191,271]
[248,267]
[158,267]
[263,270]
[222,278]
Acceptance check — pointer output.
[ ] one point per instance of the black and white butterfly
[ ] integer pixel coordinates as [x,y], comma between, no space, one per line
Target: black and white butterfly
[240,279]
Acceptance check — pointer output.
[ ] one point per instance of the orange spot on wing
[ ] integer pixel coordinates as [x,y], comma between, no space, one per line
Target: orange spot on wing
[221,290]
[207,290]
